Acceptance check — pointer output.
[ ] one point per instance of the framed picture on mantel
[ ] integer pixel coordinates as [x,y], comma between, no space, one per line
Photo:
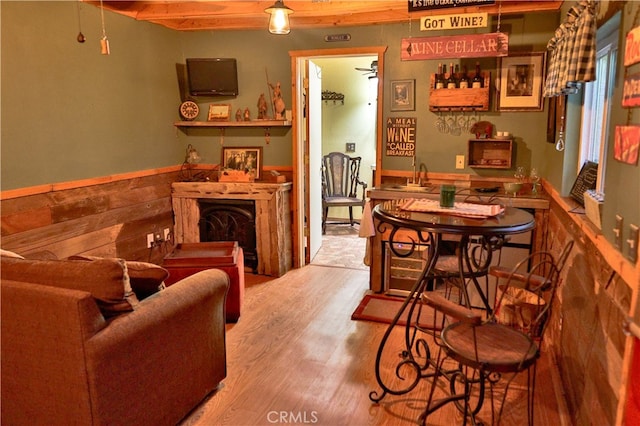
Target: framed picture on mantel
[243,159]
[521,77]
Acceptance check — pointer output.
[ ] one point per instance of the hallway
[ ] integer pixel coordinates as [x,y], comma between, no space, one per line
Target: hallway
[341,248]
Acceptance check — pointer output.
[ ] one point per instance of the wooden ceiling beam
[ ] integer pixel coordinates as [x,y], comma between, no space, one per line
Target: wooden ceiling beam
[237,15]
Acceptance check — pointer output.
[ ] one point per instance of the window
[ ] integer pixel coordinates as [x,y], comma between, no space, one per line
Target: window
[597,100]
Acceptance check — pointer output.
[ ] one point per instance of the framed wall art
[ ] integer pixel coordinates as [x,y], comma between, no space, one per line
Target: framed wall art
[403,95]
[219,112]
[245,159]
[521,77]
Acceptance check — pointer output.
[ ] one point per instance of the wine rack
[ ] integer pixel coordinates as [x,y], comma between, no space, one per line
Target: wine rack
[460,99]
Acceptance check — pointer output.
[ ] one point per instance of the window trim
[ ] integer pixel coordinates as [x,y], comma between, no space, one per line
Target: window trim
[607,40]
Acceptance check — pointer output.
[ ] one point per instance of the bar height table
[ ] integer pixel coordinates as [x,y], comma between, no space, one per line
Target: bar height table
[428,229]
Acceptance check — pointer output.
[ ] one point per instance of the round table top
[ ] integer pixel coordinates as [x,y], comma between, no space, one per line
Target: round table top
[511,221]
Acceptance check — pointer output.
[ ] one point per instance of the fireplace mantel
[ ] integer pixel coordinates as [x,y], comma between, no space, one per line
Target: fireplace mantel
[273,217]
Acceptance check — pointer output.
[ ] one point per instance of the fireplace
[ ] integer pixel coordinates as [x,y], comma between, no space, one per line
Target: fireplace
[230,220]
[271,210]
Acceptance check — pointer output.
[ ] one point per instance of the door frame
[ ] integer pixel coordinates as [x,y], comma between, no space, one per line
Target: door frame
[300,167]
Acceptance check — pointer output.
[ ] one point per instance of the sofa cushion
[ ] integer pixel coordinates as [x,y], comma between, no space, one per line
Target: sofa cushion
[145,278]
[106,279]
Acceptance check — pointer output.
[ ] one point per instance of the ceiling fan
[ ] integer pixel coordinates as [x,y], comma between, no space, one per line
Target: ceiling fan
[373,70]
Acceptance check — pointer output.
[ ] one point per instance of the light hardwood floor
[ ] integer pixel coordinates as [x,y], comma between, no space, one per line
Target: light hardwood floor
[296,357]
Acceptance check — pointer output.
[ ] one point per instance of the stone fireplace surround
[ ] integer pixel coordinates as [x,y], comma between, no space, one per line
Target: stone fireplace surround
[273,217]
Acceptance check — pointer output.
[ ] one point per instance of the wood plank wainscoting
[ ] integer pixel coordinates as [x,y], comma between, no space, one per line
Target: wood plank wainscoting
[273,217]
[599,290]
[107,216]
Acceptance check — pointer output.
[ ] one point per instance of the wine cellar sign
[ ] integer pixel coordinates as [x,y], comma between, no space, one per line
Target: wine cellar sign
[401,136]
[459,46]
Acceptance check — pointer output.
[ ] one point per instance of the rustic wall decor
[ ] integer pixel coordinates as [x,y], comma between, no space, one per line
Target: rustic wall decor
[246,159]
[219,112]
[460,46]
[521,76]
[403,95]
[401,136]
[626,144]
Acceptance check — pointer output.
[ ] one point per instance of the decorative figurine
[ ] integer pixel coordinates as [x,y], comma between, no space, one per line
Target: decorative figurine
[482,129]
[278,102]
[262,107]
[239,115]
[247,114]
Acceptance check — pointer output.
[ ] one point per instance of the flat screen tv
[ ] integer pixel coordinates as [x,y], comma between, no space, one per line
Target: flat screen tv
[212,76]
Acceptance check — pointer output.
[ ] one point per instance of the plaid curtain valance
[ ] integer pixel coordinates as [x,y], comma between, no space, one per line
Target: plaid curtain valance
[572,51]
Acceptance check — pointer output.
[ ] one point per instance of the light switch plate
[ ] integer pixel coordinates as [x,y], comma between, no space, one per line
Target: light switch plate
[617,232]
[632,244]
[459,161]
[351,147]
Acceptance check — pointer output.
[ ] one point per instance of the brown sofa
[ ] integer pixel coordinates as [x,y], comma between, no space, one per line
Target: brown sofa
[74,353]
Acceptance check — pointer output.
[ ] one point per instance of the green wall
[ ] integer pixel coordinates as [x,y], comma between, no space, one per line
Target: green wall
[82,114]
[257,50]
[69,112]
[622,181]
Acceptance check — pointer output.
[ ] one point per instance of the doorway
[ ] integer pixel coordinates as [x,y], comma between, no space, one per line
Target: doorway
[306,221]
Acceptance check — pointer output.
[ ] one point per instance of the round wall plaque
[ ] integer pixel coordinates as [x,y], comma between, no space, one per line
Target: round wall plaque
[189,110]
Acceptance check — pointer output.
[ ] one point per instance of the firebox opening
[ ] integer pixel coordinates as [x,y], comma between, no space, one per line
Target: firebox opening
[230,220]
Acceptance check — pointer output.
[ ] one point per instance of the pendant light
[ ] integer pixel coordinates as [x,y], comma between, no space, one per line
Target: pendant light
[279,20]
[104,42]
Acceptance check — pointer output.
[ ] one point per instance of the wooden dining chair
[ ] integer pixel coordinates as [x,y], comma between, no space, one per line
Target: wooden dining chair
[495,348]
[340,184]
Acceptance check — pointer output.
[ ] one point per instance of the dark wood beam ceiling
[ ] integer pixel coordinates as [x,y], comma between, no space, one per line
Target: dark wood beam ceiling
[236,15]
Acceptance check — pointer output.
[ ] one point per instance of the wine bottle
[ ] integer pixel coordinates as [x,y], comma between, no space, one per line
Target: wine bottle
[440,78]
[464,79]
[477,82]
[451,81]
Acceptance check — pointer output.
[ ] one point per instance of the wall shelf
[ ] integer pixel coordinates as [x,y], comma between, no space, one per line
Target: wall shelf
[490,153]
[460,99]
[252,123]
[222,125]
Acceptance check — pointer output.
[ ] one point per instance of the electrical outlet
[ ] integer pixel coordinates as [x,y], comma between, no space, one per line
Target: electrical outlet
[167,234]
[632,243]
[459,161]
[617,232]
[150,240]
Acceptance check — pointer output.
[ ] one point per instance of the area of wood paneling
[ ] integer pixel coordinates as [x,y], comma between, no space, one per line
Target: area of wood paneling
[586,331]
[102,219]
[242,15]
